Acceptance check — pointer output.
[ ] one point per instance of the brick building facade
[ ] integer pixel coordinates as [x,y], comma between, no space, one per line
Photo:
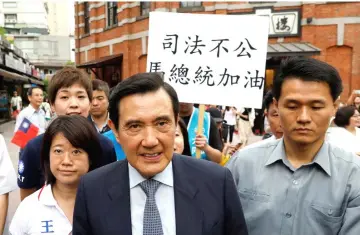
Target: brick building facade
[111,38]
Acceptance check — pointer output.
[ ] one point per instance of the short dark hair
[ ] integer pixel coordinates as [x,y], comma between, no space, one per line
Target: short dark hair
[85,138]
[268,100]
[140,83]
[184,132]
[100,85]
[30,91]
[67,77]
[308,69]
[343,115]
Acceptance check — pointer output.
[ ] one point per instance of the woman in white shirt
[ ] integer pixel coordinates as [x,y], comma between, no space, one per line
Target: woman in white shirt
[70,149]
[7,181]
[346,134]
[230,122]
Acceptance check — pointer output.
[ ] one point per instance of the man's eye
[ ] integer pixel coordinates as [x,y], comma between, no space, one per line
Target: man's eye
[163,123]
[134,126]
[64,97]
[291,107]
[81,97]
[317,107]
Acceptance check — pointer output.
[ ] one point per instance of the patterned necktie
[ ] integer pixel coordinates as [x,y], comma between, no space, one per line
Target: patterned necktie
[152,221]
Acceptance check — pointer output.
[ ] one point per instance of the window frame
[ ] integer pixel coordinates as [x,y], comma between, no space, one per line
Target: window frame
[86,18]
[144,11]
[185,4]
[111,7]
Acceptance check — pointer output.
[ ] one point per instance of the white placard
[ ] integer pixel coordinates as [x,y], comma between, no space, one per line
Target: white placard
[210,59]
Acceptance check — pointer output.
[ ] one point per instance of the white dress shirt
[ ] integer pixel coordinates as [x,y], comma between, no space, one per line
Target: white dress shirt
[344,139]
[7,171]
[36,117]
[164,198]
[39,213]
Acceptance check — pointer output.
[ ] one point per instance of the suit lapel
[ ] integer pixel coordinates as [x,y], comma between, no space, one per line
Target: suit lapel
[119,215]
[189,217]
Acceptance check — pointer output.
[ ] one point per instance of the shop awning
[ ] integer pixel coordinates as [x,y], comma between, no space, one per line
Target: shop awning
[13,76]
[103,61]
[292,49]
[8,76]
[36,81]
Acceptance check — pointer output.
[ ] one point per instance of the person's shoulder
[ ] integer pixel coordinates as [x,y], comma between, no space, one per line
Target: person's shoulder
[343,156]
[258,148]
[30,202]
[104,140]
[101,173]
[262,143]
[37,141]
[254,154]
[25,110]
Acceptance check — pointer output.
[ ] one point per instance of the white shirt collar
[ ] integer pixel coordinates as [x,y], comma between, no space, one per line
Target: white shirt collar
[165,177]
[46,196]
[104,124]
[32,109]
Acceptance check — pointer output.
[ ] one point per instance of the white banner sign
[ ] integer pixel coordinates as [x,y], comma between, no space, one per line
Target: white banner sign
[210,59]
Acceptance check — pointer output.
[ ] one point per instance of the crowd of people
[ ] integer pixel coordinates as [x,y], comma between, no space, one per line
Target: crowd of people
[123,160]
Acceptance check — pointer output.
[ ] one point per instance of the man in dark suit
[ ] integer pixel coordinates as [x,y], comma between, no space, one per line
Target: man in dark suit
[154,191]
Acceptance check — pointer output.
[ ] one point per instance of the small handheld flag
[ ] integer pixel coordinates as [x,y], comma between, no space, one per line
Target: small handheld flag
[25,133]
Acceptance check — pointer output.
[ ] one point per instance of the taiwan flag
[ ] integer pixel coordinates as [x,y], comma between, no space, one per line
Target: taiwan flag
[25,133]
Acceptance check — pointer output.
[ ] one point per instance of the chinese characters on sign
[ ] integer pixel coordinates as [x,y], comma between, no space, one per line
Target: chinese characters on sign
[206,61]
[180,74]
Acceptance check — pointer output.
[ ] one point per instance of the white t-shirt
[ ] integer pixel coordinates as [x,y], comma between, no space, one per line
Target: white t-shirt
[36,117]
[230,117]
[7,171]
[38,214]
[343,138]
[16,101]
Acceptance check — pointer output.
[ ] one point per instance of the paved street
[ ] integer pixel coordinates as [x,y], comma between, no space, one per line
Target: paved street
[7,130]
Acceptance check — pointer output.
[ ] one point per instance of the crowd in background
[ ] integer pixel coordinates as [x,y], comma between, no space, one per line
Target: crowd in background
[82,126]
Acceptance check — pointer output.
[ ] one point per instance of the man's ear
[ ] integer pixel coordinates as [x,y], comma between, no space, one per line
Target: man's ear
[112,127]
[336,105]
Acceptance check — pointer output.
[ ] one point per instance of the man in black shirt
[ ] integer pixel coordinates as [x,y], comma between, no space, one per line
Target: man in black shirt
[210,142]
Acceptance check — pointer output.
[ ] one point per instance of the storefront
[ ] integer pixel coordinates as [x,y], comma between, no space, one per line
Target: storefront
[14,76]
[106,68]
[328,31]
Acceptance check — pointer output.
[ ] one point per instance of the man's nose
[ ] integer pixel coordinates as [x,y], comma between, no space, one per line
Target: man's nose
[304,115]
[150,139]
[94,102]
